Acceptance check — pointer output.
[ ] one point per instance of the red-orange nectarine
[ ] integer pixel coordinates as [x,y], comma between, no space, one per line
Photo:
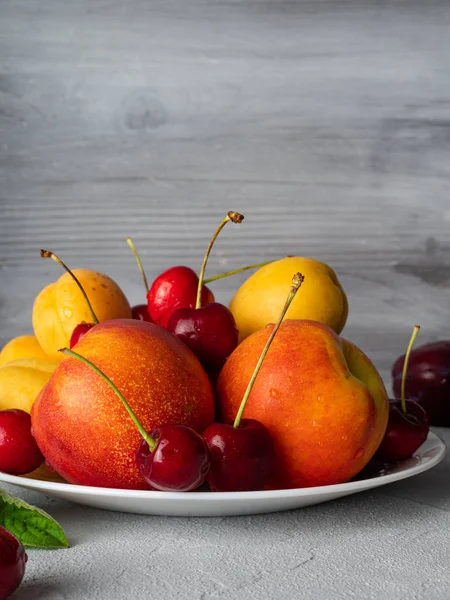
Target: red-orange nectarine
[83,429]
[318,395]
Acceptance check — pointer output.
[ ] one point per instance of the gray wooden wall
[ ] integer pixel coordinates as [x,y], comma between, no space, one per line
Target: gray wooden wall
[327,123]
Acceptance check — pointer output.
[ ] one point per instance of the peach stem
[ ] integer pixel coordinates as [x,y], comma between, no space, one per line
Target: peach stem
[237,271]
[297,281]
[150,441]
[139,263]
[414,335]
[231,216]
[49,254]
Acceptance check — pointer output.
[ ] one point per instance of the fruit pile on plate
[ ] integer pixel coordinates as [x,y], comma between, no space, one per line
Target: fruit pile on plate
[182,390]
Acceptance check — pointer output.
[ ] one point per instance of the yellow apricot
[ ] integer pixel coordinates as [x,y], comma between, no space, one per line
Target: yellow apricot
[44,474]
[23,346]
[47,365]
[21,381]
[60,307]
[261,297]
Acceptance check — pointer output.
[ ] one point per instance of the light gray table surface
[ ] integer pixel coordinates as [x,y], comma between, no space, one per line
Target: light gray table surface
[327,124]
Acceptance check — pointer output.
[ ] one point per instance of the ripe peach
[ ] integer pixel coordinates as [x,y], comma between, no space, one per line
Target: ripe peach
[319,396]
[81,426]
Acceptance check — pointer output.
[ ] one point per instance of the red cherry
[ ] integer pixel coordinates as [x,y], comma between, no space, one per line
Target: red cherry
[179,462]
[210,332]
[19,453]
[427,380]
[405,432]
[140,313]
[12,563]
[408,422]
[179,287]
[79,332]
[173,289]
[242,458]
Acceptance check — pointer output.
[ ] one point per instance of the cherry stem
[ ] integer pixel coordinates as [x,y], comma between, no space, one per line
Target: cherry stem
[414,335]
[237,271]
[139,263]
[231,216]
[150,441]
[297,281]
[49,254]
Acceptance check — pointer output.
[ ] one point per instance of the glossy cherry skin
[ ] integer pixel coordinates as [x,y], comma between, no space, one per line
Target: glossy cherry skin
[405,433]
[12,563]
[140,313]
[180,461]
[427,380]
[19,453]
[79,332]
[173,289]
[210,332]
[242,458]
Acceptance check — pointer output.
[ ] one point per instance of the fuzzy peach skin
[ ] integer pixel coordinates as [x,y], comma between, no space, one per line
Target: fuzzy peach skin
[61,306]
[260,299]
[81,426]
[319,395]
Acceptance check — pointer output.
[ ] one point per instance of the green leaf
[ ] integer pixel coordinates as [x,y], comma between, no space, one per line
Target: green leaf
[32,526]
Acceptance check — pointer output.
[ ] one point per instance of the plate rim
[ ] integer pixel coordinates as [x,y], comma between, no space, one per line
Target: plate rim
[211,497]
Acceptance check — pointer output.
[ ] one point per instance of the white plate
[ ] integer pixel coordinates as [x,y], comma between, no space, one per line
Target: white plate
[209,504]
